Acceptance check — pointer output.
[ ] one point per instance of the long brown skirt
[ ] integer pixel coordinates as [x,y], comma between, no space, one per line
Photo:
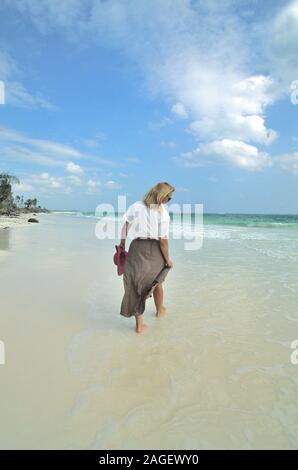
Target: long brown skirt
[144,268]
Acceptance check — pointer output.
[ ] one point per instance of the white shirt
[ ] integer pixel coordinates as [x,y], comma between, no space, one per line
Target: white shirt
[147,222]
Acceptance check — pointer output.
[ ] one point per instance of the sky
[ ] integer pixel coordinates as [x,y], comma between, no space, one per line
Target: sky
[105,98]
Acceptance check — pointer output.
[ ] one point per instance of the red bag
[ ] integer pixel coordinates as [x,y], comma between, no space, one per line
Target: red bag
[119,258]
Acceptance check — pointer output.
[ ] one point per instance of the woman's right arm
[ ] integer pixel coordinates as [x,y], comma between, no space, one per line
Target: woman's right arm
[164,246]
[124,232]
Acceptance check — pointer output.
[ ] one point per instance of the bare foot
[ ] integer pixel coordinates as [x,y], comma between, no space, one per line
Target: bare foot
[140,328]
[139,324]
[161,311]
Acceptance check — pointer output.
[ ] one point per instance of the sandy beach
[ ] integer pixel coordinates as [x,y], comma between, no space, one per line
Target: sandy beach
[20,220]
[214,372]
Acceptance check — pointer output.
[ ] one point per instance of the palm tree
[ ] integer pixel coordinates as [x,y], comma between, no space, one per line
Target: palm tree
[10,205]
[28,203]
[17,200]
[6,181]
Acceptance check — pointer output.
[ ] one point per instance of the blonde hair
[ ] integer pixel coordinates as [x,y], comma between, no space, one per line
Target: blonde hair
[157,193]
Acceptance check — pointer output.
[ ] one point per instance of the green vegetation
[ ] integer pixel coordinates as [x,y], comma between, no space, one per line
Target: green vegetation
[10,205]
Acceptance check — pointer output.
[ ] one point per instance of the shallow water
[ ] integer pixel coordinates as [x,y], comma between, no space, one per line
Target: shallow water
[215,372]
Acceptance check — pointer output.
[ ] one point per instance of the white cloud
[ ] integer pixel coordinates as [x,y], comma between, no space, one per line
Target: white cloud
[18,147]
[180,110]
[45,180]
[92,143]
[93,186]
[17,153]
[233,152]
[41,183]
[133,160]
[159,124]
[52,14]
[51,147]
[74,168]
[112,185]
[96,141]
[282,42]
[93,183]
[46,184]
[202,58]
[237,153]
[191,159]
[241,114]
[15,92]
[249,128]
[74,180]
[8,66]
[288,162]
[22,187]
[55,184]
[251,95]
[170,144]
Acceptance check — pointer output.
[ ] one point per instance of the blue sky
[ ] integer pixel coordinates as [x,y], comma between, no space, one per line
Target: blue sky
[106,98]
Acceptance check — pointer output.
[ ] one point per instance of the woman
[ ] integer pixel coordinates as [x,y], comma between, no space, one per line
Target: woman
[148,261]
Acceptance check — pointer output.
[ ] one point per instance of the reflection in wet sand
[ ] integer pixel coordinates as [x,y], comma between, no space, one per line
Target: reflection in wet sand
[5,239]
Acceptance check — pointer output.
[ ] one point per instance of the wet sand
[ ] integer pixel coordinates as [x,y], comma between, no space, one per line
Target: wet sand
[12,221]
[214,372]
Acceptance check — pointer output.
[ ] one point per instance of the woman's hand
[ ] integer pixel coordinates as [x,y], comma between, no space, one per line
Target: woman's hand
[164,246]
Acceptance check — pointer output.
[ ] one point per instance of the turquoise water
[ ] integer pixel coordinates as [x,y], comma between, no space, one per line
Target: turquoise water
[270,235]
[252,220]
[239,220]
